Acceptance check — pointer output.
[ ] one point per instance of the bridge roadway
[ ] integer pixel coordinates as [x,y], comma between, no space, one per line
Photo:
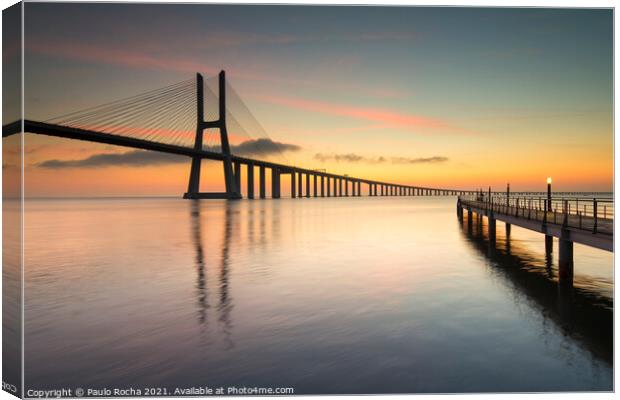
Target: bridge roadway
[323,184]
[590,230]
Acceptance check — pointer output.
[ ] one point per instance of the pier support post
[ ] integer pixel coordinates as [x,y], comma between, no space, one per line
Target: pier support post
[329,186]
[293,184]
[469,219]
[565,262]
[346,188]
[262,183]
[507,229]
[322,186]
[250,181]
[492,229]
[307,185]
[548,244]
[275,183]
[300,186]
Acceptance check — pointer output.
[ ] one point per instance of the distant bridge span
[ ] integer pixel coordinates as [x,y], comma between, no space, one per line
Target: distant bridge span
[304,182]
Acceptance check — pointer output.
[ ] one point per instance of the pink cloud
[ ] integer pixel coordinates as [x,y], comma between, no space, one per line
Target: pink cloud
[116,56]
[134,57]
[377,115]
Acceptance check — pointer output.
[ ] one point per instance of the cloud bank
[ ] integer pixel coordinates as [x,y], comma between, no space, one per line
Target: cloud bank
[140,158]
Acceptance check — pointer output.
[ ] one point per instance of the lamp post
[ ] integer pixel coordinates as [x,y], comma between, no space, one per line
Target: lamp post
[548,238]
[507,194]
[549,193]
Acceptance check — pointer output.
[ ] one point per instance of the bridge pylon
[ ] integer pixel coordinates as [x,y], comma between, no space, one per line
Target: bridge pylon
[193,189]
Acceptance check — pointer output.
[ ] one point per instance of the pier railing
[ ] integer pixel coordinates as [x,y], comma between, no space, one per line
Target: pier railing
[586,213]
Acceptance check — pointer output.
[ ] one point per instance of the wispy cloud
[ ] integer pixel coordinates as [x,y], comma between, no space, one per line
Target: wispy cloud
[355,158]
[374,114]
[139,158]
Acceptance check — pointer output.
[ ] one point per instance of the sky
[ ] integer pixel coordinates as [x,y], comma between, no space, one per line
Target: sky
[442,97]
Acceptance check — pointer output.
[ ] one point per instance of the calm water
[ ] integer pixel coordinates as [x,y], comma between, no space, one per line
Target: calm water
[363,295]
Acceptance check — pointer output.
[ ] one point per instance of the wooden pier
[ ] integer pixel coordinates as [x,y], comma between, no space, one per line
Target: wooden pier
[586,220]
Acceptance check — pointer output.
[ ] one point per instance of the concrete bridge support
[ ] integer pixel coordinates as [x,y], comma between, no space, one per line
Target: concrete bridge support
[314,185]
[307,185]
[346,188]
[329,186]
[237,174]
[275,183]
[322,186]
[293,185]
[250,181]
[261,183]
[507,230]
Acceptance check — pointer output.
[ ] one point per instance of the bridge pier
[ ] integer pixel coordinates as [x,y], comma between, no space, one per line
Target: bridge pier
[250,167]
[237,174]
[293,185]
[307,185]
[565,262]
[314,184]
[261,183]
[275,183]
[329,186]
[507,230]
[300,188]
[322,186]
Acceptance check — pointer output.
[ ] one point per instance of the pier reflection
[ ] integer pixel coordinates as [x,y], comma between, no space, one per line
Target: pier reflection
[581,314]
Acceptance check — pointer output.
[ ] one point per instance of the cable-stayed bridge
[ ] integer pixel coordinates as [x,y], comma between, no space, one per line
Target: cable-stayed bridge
[194,118]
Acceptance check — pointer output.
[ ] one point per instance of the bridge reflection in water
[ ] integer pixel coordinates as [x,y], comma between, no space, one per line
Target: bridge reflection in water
[224,303]
[582,314]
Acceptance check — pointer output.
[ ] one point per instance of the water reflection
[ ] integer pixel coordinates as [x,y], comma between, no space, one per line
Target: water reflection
[582,314]
[225,304]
